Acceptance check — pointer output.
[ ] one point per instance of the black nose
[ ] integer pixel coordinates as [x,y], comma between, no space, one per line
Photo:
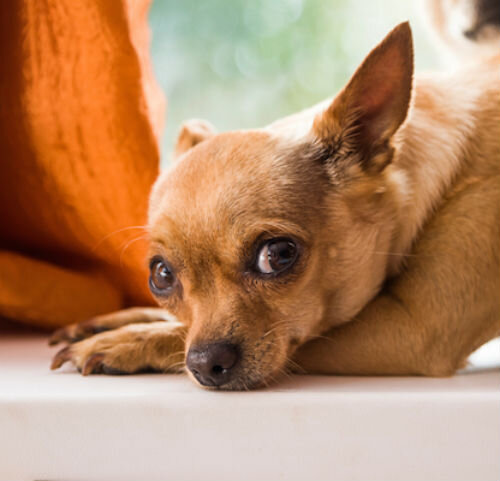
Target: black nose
[213,364]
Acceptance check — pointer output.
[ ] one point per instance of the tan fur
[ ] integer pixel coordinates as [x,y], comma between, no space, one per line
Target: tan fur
[394,203]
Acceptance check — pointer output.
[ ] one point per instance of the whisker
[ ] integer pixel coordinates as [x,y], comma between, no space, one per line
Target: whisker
[145,227]
[319,336]
[400,254]
[176,365]
[265,382]
[297,366]
[128,244]
[275,326]
[285,372]
[270,331]
[176,353]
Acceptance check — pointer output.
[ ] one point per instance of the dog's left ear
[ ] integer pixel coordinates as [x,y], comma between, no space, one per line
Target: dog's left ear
[375,102]
[192,133]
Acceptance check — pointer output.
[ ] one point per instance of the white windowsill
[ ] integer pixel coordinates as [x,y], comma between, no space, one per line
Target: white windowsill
[60,425]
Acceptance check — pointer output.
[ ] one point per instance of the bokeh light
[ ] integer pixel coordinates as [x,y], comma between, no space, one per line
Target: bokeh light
[244,63]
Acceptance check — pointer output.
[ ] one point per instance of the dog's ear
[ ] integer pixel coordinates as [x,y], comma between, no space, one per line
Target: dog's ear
[374,103]
[192,133]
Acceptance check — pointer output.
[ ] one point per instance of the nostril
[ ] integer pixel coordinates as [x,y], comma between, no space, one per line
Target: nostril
[223,357]
[218,369]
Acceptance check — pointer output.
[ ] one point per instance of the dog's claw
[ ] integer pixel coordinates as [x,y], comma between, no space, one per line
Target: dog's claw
[93,365]
[61,357]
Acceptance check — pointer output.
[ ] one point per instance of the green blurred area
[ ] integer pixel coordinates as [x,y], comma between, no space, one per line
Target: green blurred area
[243,64]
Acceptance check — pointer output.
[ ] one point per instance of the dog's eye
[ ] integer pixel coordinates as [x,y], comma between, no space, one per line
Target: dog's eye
[276,255]
[161,279]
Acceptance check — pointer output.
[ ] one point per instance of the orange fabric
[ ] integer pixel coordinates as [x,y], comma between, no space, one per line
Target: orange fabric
[79,120]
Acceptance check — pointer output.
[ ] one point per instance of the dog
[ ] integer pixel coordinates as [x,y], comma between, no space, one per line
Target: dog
[359,237]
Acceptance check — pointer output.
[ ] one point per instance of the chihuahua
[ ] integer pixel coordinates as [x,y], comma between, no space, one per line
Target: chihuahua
[360,236]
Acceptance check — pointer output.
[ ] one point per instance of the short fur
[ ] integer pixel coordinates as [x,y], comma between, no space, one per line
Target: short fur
[392,192]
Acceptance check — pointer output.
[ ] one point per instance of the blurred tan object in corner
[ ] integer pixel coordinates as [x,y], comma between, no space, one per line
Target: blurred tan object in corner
[80,115]
[467,30]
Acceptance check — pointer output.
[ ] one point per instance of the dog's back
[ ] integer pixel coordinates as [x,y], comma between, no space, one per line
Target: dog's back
[470,32]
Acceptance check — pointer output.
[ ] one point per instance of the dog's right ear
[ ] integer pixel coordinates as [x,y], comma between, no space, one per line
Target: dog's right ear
[375,102]
[192,133]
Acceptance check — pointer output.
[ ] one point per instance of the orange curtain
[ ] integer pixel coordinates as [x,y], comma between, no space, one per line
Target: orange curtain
[80,115]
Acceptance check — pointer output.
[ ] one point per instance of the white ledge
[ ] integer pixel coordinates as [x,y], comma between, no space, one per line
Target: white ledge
[60,425]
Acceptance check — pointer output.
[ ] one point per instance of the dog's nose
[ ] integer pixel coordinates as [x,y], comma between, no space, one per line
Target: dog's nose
[213,364]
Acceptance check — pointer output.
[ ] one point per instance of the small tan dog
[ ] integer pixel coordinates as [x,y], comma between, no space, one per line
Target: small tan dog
[361,236]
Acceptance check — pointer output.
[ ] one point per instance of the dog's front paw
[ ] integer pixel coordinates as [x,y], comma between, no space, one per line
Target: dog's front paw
[127,350]
[86,363]
[102,354]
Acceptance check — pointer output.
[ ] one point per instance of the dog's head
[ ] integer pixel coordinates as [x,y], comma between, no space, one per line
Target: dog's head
[262,239]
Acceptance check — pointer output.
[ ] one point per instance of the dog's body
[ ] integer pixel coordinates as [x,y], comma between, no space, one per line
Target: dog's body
[357,237]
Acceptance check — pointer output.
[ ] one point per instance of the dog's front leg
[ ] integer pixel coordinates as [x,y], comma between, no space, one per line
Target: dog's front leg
[441,308]
[158,346]
[391,338]
[384,339]
[107,322]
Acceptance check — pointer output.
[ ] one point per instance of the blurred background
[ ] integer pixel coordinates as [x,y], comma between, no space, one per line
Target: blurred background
[245,63]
